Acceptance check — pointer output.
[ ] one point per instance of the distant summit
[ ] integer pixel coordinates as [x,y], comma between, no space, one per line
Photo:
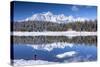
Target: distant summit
[50,17]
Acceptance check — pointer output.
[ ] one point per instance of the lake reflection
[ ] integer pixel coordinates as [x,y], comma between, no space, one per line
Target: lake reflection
[53,49]
[82,52]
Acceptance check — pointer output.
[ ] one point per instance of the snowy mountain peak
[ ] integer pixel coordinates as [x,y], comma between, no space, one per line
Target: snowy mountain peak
[48,13]
[49,16]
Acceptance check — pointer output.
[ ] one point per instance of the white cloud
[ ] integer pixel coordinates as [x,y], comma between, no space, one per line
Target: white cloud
[66,54]
[23,62]
[89,6]
[75,8]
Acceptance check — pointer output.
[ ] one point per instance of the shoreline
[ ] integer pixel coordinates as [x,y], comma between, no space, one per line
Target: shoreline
[55,33]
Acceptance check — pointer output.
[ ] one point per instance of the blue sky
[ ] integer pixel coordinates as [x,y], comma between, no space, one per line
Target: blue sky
[22,10]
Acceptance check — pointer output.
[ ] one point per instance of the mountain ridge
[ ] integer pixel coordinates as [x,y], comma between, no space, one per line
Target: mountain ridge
[50,17]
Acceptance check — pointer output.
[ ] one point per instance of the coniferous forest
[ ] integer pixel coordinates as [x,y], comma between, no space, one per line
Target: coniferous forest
[52,26]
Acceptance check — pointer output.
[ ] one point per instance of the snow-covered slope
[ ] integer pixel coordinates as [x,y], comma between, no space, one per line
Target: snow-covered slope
[49,16]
